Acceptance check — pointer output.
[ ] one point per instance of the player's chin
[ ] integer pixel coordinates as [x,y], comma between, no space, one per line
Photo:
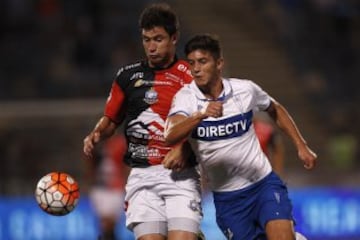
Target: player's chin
[156,61]
[201,82]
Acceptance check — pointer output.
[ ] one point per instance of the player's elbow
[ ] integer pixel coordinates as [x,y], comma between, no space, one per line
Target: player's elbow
[174,133]
[169,141]
[168,144]
[173,139]
[169,138]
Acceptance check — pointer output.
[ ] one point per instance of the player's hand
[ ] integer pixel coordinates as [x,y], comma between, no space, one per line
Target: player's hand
[89,143]
[213,109]
[177,158]
[308,157]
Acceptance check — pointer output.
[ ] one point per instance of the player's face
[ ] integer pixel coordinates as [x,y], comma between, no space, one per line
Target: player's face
[159,46]
[205,69]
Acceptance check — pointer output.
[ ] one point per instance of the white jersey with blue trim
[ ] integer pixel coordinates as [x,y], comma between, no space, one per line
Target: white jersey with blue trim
[227,147]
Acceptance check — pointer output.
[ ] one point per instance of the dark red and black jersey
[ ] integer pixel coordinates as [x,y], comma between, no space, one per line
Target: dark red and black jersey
[141,97]
[265,133]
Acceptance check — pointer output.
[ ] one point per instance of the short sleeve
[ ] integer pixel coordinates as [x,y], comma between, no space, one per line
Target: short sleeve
[261,98]
[183,102]
[113,107]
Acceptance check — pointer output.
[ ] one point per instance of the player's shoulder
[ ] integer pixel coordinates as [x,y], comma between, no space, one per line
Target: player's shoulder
[182,67]
[130,68]
[186,90]
[241,83]
[186,93]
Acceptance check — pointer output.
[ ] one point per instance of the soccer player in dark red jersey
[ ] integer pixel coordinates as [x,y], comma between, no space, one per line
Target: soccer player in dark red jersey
[160,203]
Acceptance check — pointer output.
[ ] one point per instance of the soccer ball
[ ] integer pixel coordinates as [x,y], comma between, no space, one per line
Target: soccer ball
[57,193]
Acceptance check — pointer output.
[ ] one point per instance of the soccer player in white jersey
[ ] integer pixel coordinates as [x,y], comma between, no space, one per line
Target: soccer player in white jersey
[215,115]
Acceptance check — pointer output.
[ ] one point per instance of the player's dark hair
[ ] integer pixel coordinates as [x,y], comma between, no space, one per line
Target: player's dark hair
[205,42]
[159,15]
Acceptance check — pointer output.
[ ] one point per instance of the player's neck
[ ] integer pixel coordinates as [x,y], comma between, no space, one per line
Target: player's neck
[213,91]
[166,63]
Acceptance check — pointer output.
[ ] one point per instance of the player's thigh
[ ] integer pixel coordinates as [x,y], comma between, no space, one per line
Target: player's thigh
[184,214]
[143,203]
[280,229]
[274,203]
[183,207]
[145,206]
[236,216]
[235,224]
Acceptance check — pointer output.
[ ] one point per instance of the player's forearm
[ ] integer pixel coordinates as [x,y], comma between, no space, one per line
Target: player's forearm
[105,127]
[287,124]
[179,130]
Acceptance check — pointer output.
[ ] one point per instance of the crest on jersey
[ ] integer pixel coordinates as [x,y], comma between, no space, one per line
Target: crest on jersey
[151,96]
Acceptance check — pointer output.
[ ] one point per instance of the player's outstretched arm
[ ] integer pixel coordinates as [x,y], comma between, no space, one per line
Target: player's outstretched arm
[287,124]
[103,129]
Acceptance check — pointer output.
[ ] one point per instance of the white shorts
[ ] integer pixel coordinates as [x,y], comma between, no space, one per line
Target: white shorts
[107,202]
[156,194]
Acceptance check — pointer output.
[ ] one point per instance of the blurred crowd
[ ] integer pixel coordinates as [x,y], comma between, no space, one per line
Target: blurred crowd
[64,48]
[322,39]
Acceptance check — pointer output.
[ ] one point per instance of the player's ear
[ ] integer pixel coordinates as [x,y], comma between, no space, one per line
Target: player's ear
[175,37]
[220,63]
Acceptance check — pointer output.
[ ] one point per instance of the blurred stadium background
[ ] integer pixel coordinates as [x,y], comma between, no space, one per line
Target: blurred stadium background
[58,59]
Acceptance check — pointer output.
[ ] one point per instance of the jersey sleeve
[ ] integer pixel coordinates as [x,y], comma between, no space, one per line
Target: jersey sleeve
[114,104]
[184,67]
[182,103]
[262,99]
